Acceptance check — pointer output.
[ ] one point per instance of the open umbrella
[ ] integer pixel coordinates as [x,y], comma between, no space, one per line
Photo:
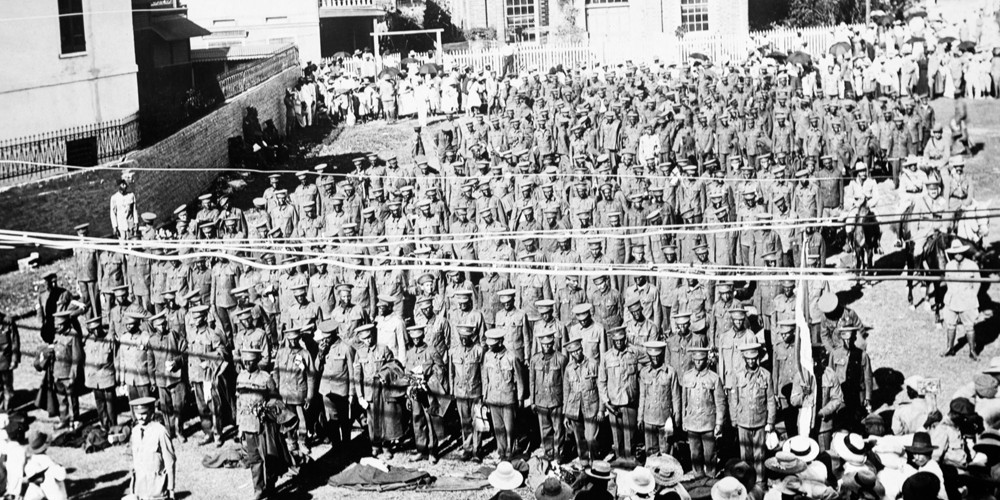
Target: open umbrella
[778,56]
[968,46]
[341,55]
[916,13]
[409,60]
[947,39]
[884,20]
[877,12]
[915,39]
[389,71]
[698,55]
[840,48]
[429,69]
[800,58]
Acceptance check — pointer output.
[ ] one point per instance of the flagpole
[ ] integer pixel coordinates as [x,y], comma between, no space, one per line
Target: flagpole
[803,339]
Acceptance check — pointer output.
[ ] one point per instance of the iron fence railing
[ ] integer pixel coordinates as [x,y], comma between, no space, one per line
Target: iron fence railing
[40,155]
[243,79]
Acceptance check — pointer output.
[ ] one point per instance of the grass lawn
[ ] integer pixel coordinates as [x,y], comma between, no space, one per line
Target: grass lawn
[902,339]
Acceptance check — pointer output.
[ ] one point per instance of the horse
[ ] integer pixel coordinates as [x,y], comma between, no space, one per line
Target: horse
[863,236]
[929,261]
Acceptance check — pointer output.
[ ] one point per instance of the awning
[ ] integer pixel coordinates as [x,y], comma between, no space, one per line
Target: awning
[176,27]
[237,52]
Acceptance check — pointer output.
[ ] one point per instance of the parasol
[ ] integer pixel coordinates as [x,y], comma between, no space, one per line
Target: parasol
[389,71]
[800,58]
[778,56]
[699,56]
[429,69]
[409,60]
[947,39]
[968,46]
[884,20]
[916,13]
[341,55]
[840,48]
[914,40]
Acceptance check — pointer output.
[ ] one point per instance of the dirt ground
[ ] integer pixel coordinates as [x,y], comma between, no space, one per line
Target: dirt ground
[903,339]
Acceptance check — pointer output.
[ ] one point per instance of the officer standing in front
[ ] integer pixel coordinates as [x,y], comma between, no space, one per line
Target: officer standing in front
[254,388]
[754,410]
[618,384]
[546,396]
[503,390]
[659,400]
[154,463]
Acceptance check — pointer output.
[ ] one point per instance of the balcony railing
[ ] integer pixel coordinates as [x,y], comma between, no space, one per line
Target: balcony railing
[353,4]
[240,81]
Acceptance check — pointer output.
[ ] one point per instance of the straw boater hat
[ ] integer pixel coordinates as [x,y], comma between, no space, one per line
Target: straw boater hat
[802,447]
[600,470]
[505,477]
[850,447]
[667,471]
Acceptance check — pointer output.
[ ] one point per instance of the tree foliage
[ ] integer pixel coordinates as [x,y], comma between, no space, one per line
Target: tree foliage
[765,14]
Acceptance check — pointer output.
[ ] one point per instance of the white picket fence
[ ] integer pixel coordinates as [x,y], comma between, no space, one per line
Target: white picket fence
[619,49]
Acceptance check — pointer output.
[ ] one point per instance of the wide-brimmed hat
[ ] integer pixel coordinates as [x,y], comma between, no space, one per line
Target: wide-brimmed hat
[957,247]
[38,443]
[667,471]
[989,442]
[553,489]
[640,481]
[505,477]
[600,470]
[729,488]
[921,444]
[804,448]
[850,447]
[785,463]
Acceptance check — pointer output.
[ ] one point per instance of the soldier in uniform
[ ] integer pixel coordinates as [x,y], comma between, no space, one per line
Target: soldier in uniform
[134,358]
[683,339]
[166,348]
[546,394]
[154,463]
[503,390]
[67,361]
[581,400]
[704,408]
[337,386]
[618,384]
[99,371]
[254,388]
[85,264]
[514,325]
[787,375]
[10,358]
[638,327]
[367,363]
[466,387]
[428,377]
[854,373]
[208,355]
[294,377]
[590,333]
[753,410]
[659,400]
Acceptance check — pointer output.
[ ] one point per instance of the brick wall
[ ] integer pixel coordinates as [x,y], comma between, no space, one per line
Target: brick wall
[55,205]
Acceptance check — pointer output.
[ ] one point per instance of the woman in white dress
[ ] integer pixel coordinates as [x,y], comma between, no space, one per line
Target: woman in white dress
[449,94]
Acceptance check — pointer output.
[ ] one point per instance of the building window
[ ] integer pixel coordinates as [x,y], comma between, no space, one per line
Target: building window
[606,2]
[520,20]
[694,15]
[71,34]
